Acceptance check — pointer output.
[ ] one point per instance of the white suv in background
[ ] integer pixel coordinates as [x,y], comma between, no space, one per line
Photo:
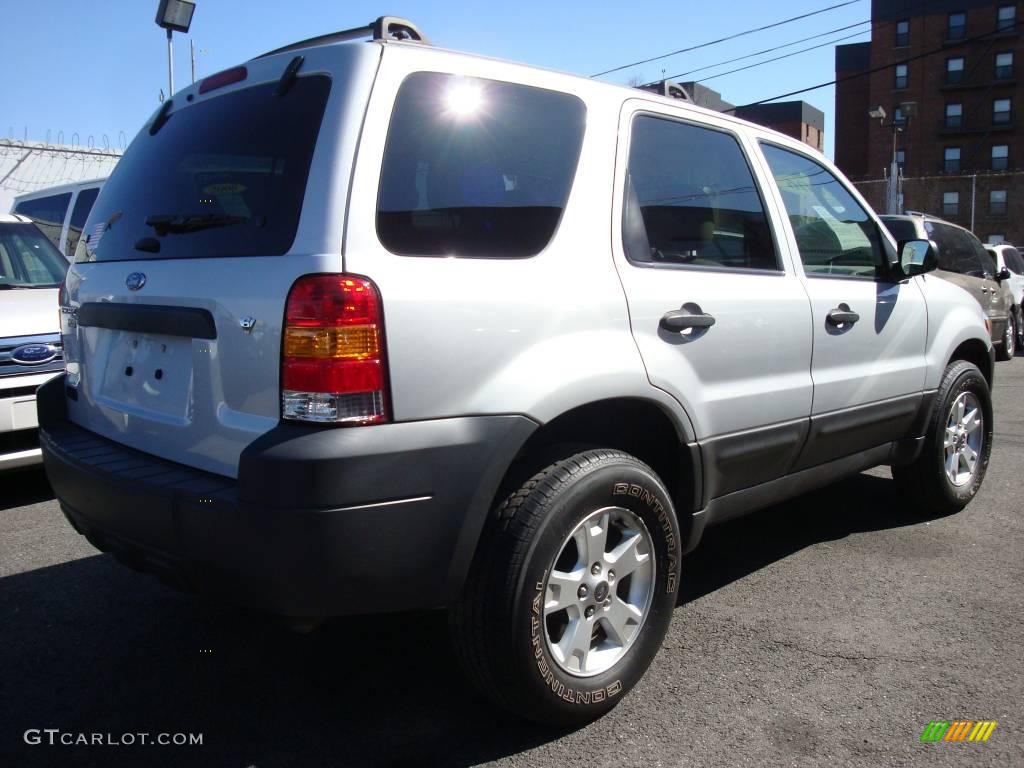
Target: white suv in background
[365,327]
[1009,258]
[31,270]
[60,212]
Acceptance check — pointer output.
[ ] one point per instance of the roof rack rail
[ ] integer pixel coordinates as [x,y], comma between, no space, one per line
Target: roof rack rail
[383,28]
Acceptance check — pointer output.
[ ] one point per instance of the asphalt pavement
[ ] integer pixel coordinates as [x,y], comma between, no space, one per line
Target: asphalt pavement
[828,631]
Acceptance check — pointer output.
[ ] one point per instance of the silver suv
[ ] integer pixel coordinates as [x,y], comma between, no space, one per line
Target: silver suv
[373,327]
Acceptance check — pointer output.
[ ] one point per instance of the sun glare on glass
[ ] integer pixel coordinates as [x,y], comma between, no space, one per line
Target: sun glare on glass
[463,98]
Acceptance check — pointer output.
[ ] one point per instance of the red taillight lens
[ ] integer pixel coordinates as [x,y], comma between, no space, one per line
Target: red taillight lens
[227,77]
[333,362]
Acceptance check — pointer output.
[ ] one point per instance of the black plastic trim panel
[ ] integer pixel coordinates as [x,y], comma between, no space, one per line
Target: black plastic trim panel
[190,322]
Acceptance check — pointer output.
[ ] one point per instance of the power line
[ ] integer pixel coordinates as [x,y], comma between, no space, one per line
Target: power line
[784,56]
[730,37]
[865,73]
[769,50]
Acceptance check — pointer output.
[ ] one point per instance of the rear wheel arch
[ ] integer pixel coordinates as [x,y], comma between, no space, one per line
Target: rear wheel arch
[641,428]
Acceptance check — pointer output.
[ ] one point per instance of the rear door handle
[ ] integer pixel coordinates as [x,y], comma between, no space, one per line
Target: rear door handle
[679,320]
[842,316]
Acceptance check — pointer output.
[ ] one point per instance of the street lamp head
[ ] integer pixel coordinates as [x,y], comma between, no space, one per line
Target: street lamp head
[878,113]
[175,15]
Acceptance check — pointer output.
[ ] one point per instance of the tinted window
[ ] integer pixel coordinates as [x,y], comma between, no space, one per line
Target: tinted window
[225,177]
[48,213]
[1014,260]
[83,204]
[28,258]
[835,236]
[956,251]
[691,200]
[901,229]
[476,167]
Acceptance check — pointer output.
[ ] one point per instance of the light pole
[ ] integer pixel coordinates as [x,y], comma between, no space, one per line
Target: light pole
[174,15]
[892,187]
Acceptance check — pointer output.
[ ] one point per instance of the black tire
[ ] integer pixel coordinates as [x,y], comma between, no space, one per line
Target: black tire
[1019,324]
[498,626]
[1008,348]
[925,482]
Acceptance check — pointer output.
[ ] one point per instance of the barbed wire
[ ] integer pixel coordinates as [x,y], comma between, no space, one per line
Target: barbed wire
[27,166]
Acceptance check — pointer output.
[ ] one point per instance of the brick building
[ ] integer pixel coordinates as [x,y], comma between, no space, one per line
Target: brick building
[948,73]
[793,118]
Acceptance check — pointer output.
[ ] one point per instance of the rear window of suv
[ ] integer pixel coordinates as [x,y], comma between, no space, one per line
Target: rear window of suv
[476,167]
[225,177]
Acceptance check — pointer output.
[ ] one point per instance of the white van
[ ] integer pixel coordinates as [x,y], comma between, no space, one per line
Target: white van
[60,212]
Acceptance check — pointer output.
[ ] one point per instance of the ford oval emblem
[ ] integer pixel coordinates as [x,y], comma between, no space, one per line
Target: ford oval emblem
[135,280]
[34,354]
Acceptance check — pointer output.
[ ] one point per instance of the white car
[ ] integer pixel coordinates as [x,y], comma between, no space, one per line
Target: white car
[1009,258]
[31,270]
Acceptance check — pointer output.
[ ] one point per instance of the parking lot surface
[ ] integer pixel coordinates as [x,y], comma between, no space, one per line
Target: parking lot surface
[828,631]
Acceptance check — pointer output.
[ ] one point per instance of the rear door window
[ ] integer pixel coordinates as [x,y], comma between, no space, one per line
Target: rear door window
[691,200]
[83,204]
[48,213]
[223,177]
[476,167]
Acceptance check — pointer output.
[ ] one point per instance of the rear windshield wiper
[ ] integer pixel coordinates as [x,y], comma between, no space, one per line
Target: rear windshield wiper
[175,224]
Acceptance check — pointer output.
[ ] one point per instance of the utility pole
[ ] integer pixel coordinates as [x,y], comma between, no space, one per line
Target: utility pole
[170,63]
[174,16]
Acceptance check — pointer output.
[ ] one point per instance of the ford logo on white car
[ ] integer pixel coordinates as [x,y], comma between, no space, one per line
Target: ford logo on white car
[34,354]
[135,281]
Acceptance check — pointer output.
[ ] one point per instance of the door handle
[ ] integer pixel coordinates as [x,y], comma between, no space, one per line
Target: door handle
[841,316]
[679,320]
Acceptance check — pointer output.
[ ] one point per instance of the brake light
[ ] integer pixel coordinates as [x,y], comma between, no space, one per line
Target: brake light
[333,363]
[227,77]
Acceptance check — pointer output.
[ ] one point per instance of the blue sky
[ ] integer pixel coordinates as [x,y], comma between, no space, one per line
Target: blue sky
[97,68]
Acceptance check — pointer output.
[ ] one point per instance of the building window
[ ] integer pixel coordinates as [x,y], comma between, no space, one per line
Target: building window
[902,33]
[898,118]
[955,70]
[951,160]
[901,76]
[957,29]
[950,203]
[901,158]
[1007,17]
[997,202]
[1000,157]
[995,239]
[954,115]
[1004,66]
[1001,112]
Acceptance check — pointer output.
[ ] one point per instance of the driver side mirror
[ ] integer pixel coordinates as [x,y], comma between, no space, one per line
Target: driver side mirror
[917,257]
[1003,274]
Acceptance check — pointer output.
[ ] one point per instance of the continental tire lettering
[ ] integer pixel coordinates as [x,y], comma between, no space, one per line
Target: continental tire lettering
[547,674]
[636,491]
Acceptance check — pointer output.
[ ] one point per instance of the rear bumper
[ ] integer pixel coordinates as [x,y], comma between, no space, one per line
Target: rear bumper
[320,522]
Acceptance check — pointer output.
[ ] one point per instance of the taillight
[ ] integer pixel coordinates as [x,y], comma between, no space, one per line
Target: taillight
[333,366]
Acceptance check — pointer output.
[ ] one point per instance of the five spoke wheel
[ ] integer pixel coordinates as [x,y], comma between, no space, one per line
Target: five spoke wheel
[964,437]
[598,591]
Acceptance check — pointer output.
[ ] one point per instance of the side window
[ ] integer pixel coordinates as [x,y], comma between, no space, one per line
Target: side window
[1014,260]
[988,264]
[835,236]
[956,253]
[691,200]
[83,204]
[48,213]
[476,168]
